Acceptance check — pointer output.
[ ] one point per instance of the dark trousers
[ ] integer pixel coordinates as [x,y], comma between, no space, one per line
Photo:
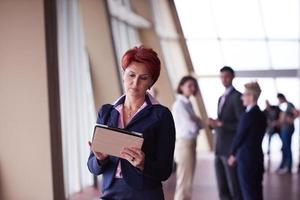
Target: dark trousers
[286,138]
[227,180]
[250,178]
[120,190]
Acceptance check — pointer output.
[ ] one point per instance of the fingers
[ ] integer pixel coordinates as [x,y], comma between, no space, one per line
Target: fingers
[127,157]
[229,162]
[134,155]
[129,154]
[133,151]
[100,156]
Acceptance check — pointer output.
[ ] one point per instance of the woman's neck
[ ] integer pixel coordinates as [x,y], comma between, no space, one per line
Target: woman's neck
[134,102]
[187,96]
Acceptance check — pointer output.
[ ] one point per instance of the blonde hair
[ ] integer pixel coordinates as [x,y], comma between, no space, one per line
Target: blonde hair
[254,89]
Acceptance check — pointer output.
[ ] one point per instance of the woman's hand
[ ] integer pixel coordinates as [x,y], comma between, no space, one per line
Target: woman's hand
[213,123]
[135,156]
[231,161]
[100,156]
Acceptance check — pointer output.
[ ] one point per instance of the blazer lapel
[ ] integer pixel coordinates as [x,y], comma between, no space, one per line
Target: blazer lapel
[113,118]
[227,99]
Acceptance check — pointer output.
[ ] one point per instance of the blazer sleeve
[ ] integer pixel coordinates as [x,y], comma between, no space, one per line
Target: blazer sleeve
[161,168]
[94,165]
[242,133]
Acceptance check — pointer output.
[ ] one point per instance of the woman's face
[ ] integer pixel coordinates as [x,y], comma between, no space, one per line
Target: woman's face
[137,79]
[188,88]
[247,98]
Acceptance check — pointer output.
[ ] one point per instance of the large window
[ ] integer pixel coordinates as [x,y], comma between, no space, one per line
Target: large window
[257,38]
[124,24]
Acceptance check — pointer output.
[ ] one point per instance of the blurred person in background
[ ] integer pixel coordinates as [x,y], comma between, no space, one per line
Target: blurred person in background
[230,108]
[246,150]
[287,117]
[187,125]
[272,113]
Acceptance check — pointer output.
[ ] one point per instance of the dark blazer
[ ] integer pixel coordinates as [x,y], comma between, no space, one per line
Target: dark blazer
[156,123]
[229,115]
[247,142]
[247,149]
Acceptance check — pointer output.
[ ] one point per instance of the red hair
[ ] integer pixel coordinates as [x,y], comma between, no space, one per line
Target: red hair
[143,55]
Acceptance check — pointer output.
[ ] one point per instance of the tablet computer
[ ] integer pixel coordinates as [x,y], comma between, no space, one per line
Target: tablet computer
[111,141]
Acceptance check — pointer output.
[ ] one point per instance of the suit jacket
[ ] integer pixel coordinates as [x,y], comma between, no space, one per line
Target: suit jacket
[229,115]
[157,125]
[247,142]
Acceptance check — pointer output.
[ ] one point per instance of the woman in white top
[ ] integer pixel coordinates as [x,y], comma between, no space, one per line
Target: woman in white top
[187,125]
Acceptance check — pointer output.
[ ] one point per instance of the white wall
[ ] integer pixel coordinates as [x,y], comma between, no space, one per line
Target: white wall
[25,159]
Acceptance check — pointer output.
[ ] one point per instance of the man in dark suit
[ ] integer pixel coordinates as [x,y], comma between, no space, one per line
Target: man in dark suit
[230,108]
[246,150]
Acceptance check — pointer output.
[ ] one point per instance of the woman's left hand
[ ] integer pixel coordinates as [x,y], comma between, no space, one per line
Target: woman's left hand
[135,156]
[231,161]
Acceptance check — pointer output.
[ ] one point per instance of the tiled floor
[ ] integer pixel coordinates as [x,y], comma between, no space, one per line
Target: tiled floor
[276,187]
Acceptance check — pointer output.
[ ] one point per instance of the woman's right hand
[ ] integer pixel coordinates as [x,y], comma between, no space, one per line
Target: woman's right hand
[100,156]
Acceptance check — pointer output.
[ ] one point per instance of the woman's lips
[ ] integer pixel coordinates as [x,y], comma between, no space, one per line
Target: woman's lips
[134,89]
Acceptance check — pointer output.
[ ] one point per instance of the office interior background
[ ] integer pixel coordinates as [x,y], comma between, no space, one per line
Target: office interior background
[60,61]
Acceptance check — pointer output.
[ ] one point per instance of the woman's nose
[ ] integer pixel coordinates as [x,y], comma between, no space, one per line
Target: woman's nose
[135,81]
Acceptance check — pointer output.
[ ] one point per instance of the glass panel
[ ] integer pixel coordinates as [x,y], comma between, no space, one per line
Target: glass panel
[285,55]
[211,89]
[281,18]
[196,18]
[246,55]
[206,56]
[238,19]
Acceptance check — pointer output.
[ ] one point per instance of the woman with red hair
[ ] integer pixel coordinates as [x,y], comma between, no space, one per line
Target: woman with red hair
[137,173]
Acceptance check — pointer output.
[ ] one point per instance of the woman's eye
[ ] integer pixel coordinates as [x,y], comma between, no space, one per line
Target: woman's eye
[144,78]
[132,75]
